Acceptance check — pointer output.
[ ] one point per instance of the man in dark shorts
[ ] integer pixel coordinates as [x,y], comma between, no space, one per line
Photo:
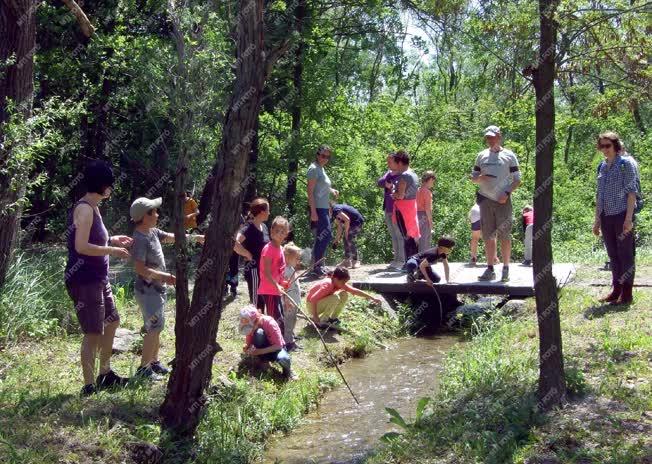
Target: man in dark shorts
[497,175]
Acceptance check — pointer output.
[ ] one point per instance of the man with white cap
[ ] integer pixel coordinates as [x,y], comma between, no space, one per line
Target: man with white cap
[497,174]
[151,280]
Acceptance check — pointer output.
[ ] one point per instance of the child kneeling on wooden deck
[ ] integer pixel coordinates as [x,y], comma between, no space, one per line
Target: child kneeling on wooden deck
[419,266]
[264,339]
[327,297]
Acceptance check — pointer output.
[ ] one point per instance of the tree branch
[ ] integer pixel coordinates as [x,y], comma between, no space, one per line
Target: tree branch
[87,28]
[274,55]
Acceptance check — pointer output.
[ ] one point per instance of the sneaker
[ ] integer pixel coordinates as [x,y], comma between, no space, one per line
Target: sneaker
[345,263]
[88,390]
[146,372]
[159,368]
[110,379]
[294,346]
[487,275]
[527,262]
[505,275]
[291,375]
[395,266]
[356,265]
[473,262]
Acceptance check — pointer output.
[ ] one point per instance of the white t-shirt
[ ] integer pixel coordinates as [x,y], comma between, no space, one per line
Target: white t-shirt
[474,214]
[502,169]
[294,291]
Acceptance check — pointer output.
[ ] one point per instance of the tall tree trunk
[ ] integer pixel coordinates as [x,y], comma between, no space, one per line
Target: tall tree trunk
[297,82]
[17,46]
[196,326]
[251,184]
[552,388]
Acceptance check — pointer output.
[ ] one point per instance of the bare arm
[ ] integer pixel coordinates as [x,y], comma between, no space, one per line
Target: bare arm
[169,237]
[346,222]
[423,266]
[311,198]
[152,274]
[338,234]
[446,270]
[241,250]
[358,292]
[83,220]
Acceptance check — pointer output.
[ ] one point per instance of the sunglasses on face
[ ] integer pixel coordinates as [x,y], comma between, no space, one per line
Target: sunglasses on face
[605,145]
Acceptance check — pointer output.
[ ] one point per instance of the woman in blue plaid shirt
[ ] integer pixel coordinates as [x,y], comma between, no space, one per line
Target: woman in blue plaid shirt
[614,211]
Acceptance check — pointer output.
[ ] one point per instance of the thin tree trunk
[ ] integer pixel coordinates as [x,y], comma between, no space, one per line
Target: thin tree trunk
[196,326]
[552,389]
[17,46]
[297,82]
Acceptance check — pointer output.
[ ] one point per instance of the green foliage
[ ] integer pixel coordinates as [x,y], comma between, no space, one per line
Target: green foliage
[242,415]
[34,302]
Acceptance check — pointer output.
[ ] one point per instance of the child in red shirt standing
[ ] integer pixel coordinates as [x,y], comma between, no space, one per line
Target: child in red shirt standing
[272,267]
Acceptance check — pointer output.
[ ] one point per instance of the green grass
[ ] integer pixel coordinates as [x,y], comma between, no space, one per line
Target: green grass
[33,302]
[485,408]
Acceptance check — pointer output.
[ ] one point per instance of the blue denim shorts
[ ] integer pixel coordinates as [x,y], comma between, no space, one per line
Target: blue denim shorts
[152,306]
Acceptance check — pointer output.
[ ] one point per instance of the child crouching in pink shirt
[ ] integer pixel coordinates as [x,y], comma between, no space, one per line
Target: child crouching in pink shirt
[264,339]
[326,298]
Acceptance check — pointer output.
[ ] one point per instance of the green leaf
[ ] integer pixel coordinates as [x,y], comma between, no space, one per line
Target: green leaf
[396,418]
[421,406]
[389,437]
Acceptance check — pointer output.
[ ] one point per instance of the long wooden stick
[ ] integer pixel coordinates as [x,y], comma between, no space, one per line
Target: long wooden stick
[323,343]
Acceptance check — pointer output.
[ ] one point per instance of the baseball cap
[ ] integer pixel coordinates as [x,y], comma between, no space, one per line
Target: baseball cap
[492,131]
[141,206]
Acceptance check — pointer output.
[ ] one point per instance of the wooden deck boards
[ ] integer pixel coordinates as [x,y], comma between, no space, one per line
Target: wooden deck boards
[464,280]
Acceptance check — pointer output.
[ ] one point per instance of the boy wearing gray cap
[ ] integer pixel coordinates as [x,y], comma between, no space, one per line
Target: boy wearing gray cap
[151,280]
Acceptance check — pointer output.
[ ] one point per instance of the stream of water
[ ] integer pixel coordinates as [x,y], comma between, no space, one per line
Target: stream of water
[339,431]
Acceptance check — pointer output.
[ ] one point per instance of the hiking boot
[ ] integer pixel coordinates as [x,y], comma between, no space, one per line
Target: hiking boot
[505,275]
[110,379]
[88,390]
[626,296]
[159,368]
[614,295]
[487,275]
[146,372]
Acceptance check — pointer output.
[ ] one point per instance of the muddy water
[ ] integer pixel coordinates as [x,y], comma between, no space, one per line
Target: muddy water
[341,432]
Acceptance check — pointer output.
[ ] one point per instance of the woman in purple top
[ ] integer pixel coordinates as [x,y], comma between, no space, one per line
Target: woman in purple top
[87,277]
[388,182]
